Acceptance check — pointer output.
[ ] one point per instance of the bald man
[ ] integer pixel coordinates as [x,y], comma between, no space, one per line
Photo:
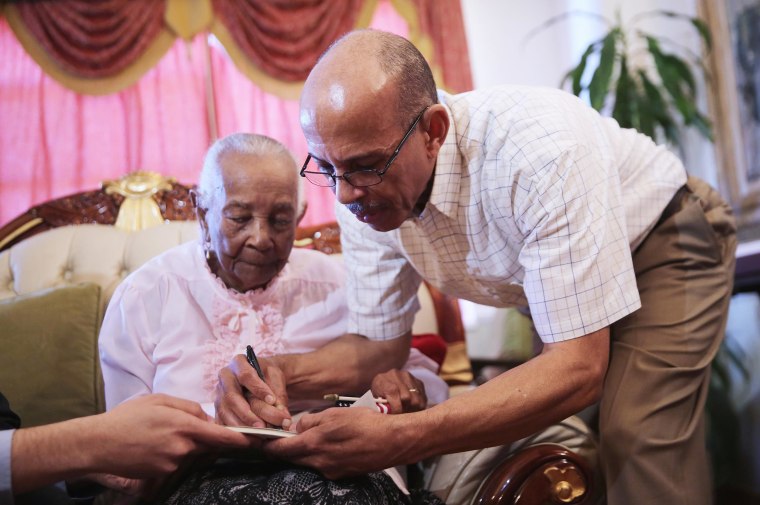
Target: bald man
[515,196]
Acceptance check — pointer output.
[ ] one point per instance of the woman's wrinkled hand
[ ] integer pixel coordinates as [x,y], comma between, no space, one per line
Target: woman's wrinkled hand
[243,399]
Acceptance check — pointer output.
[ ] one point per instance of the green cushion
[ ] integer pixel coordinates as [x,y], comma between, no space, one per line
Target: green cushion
[49,366]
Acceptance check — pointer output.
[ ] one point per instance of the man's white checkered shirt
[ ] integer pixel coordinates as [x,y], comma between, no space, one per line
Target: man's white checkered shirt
[536,200]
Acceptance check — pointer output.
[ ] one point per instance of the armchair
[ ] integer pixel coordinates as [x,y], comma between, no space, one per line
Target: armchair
[98,237]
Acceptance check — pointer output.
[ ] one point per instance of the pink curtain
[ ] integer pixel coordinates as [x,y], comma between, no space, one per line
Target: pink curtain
[285,37]
[54,142]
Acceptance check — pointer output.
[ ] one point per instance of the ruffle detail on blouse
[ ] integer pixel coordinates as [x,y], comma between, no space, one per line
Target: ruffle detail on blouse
[240,319]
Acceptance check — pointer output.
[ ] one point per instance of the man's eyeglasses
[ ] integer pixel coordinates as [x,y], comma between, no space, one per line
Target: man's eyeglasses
[357,178]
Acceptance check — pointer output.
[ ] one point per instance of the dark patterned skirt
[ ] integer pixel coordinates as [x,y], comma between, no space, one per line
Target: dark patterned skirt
[279,484]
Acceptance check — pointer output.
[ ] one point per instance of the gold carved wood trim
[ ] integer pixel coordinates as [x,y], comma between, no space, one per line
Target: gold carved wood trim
[138,209]
[172,199]
[542,473]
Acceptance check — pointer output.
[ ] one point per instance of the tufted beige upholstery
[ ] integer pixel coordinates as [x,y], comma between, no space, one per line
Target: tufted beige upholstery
[94,253]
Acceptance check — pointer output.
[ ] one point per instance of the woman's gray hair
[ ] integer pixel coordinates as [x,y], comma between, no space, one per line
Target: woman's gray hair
[210,180]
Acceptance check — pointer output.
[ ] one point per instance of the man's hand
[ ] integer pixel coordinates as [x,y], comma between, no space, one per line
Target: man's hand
[243,399]
[343,442]
[153,435]
[146,437]
[404,392]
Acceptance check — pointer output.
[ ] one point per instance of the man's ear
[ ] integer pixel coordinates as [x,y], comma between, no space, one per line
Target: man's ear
[302,212]
[437,127]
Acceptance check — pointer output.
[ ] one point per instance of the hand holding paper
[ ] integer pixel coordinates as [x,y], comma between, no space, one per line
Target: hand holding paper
[343,442]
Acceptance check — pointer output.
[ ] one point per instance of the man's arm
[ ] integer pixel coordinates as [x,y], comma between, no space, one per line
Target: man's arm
[144,437]
[346,365]
[563,379]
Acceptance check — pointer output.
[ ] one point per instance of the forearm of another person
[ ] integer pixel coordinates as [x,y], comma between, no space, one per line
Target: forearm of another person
[346,365]
[146,437]
[565,378]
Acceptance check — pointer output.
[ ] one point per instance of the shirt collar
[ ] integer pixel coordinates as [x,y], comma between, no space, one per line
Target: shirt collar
[448,173]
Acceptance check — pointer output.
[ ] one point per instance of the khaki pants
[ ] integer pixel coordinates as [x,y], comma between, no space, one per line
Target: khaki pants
[651,421]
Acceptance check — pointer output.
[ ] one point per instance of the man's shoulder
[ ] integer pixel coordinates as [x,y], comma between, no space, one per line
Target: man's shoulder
[508,101]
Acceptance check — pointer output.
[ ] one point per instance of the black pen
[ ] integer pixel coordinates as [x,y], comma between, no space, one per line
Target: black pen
[254,362]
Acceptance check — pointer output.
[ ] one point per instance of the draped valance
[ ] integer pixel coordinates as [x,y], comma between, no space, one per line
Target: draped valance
[103,46]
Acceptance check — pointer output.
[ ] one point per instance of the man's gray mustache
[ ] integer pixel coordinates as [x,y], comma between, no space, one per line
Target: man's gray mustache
[360,208]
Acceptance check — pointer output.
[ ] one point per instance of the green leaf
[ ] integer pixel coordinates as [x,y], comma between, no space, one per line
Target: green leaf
[683,71]
[561,17]
[577,72]
[671,133]
[672,69]
[653,93]
[722,423]
[704,31]
[624,110]
[646,119]
[730,354]
[685,106]
[600,82]
[565,77]
[700,25]
[679,88]
[659,108]
[703,125]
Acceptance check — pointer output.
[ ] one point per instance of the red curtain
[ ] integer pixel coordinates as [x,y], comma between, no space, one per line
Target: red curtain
[93,39]
[285,37]
[442,21]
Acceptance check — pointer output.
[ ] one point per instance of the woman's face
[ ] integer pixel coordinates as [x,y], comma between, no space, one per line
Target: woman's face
[251,223]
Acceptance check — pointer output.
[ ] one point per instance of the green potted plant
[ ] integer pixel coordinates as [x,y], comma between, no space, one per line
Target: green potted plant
[645,86]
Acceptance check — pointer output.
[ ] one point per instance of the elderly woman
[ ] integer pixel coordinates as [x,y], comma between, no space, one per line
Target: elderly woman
[174,323]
